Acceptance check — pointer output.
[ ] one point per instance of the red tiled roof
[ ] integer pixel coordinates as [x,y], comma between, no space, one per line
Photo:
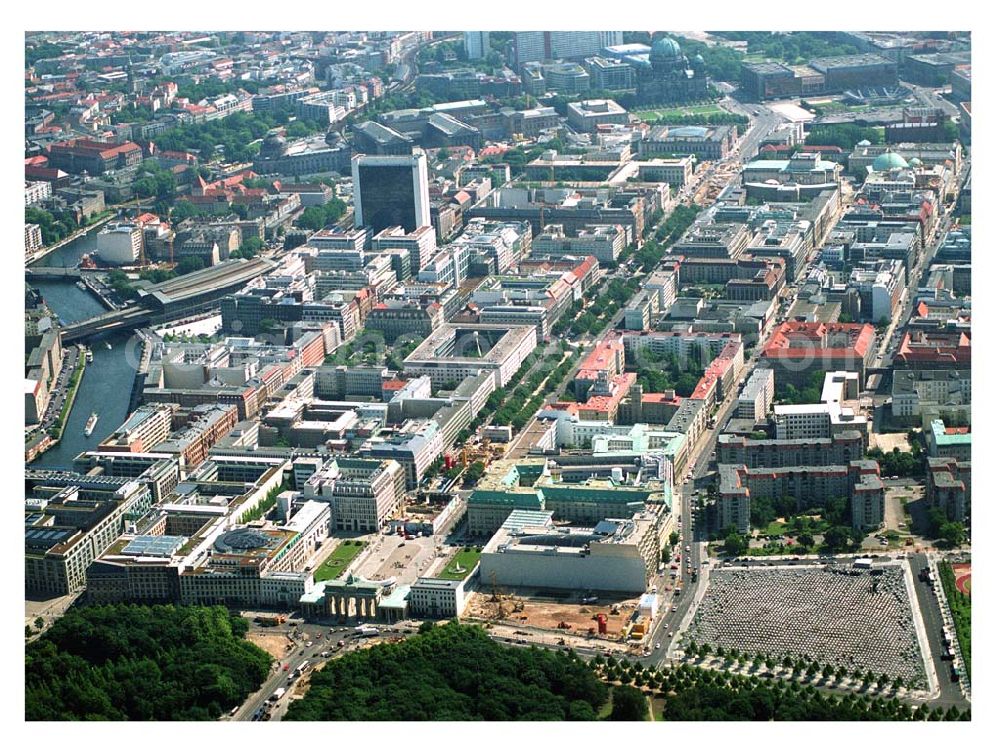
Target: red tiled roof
[807,339]
[43,173]
[603,356]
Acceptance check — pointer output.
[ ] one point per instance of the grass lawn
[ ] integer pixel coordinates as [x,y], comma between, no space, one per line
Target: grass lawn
[775,528]
[656,705]
[655,113]
[460,565]
[605,712]
[338,561]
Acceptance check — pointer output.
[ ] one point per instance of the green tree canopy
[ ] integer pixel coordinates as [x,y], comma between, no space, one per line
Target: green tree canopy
[628,703]
[450,672]
[129,662]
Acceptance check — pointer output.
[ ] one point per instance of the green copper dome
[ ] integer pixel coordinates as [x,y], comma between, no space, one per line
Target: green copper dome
[889,161]
[666,49]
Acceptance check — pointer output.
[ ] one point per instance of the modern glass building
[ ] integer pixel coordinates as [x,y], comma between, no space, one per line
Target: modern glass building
[391,191]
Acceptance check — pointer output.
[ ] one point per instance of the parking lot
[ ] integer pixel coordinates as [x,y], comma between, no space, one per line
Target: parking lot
[852,618]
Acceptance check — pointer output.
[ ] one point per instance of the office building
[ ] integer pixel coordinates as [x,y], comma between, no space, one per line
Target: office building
[567,78]
[455,351]
[605,242]
[705,142]
[538,46]
[677,172]
[395,318]
[950,442]
[798,349]
[615,555]
[922,396]
[391,191]
[32,239]
[419,243]
[755,399]
[363,494]
[880,285]
[477,44]
[371,137]
[586,115]
[810,486]
[70,520]
[583,497]
[146,427]
[610,74]
[120,243]
[929,350]
[949,487]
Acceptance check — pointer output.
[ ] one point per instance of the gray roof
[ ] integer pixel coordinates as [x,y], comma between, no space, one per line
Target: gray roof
[382,134]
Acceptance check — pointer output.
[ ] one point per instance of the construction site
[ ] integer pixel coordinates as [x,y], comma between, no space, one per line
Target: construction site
[571,614]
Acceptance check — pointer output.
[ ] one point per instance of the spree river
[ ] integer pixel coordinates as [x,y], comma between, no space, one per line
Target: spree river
[68,256]
[107,382]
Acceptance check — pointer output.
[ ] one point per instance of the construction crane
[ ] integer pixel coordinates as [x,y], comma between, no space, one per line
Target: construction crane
[142,240]
[497,598]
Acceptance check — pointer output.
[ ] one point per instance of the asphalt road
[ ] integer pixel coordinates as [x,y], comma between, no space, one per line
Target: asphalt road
[322,639]
[930,611]
[60,387]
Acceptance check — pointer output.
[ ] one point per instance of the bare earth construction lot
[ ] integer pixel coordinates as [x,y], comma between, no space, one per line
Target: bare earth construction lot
[546,612]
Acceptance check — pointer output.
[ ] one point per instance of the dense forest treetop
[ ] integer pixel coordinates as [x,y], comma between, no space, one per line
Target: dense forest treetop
[451,672]
[130,662]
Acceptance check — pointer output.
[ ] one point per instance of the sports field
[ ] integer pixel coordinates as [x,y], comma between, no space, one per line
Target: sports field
[963,577]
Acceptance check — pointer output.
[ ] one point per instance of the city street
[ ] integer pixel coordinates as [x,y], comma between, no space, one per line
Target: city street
[323,638]
[930,611]
[60,386]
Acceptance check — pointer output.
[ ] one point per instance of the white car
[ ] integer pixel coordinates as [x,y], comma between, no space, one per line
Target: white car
[657,646]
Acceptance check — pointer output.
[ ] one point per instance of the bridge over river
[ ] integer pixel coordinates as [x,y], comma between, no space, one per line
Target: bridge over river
[187,295]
